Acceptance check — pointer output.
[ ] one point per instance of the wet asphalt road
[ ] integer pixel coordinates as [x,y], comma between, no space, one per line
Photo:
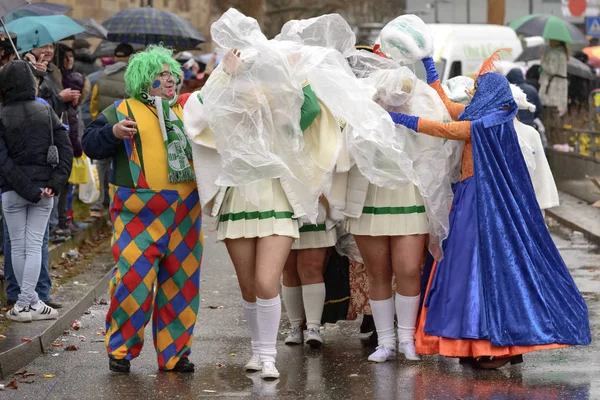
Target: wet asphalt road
[338,371]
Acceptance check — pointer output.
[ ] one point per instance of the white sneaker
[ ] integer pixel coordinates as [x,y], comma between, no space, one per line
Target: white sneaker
[269,371]
[314,338]
[43,312]
[408,349]
[296,336]
[254,363]
[19,314]
[382,354]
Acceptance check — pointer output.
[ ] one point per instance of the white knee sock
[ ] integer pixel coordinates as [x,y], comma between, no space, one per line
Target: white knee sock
[383,315]
[250,315]
[292,298]
[314,300]
[407,309]
[269,314]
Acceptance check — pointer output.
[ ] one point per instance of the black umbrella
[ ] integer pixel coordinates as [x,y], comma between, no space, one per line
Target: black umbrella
[93,29]
[7,6]
[575,67]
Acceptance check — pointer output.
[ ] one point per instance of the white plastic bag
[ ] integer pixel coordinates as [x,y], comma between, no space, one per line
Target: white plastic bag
[89,192]
[407,39]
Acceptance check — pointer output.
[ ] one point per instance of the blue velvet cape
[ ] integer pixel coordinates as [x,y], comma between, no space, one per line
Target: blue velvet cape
[529,297]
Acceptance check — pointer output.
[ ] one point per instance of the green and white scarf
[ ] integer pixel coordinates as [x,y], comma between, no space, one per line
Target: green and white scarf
[179,151]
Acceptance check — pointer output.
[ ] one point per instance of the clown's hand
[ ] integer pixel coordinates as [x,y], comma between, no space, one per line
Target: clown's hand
[406,120]
[432,74]
[233,61]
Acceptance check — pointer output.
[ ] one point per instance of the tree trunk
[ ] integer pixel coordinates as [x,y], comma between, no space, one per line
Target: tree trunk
[496,11]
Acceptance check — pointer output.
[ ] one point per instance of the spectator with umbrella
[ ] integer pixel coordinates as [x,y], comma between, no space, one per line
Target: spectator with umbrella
[8,52]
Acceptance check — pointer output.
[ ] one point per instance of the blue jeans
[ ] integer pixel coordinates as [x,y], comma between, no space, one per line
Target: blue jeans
[44,283]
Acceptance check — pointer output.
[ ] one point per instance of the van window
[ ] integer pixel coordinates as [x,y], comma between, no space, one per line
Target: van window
[455,69]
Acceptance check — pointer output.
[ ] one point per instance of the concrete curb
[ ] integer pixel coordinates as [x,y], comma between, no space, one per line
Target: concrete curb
[16,358]
[587,233]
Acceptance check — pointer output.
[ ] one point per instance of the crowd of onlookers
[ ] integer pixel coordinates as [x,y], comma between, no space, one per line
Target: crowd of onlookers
[47,99]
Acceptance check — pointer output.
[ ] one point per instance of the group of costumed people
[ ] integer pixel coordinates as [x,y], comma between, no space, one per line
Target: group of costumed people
[305,141]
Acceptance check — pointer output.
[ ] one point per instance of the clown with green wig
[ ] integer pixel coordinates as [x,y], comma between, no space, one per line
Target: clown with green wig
[155,210]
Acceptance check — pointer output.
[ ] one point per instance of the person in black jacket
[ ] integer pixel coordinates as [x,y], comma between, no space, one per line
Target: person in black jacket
[515,76]
[29,182]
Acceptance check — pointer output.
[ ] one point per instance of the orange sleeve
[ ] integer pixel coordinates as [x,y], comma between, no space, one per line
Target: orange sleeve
[447,130]
[183,98]
[454,109]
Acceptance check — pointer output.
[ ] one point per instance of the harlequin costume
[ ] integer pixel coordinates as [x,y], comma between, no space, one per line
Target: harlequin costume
[155,210]
[502,289]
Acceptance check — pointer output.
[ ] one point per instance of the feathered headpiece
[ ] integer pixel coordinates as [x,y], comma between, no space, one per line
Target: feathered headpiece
[489,65]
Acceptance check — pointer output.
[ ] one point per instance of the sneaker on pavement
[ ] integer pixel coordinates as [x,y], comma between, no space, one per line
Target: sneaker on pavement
[269,371]
[382,354]
[408,349]
[254,363]
[314,338]
[54,304]
[19,314]
[296,336]
[41,312]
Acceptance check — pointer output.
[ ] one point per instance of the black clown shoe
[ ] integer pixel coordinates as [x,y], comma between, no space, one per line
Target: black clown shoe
[121,366]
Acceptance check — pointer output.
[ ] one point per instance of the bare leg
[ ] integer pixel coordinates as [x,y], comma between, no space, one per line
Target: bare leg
[375,251]
[310,265]
[407,257]
[271,255]
[292,298]
[243,256]
[290,270]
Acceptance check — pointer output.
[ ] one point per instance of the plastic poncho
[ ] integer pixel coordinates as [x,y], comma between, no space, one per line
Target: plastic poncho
[253,108]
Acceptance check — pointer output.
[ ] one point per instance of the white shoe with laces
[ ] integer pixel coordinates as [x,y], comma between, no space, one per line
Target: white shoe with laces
[269,371]
[253,364]
[314,338]
[42,312]
[382,354]
[296,336]
[19,314]
[408,349]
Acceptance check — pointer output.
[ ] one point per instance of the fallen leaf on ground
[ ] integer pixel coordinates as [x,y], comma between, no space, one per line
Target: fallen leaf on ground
[57,345]
[215,307]
[88,312]
[2,337]
[26,381]
[20,373]
[76,325]
[24,339]
[13,384]
[28,374]
[66,333]
[49,376]
[232,355]
[81,337]
[219,365]
[71,348]
[591,270]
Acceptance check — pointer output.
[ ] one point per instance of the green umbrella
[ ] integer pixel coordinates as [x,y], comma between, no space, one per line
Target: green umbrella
[549,27]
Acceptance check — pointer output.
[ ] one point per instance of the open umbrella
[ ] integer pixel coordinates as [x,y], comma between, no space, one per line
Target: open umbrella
[6,6]
[36,9]
[152,26]
[93,29]
[549,27]
[35,32]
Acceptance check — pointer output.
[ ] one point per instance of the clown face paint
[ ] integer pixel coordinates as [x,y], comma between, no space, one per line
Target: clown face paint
[164,85]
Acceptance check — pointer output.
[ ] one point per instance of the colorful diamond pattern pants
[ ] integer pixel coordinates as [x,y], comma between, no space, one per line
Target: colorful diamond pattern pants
[157,245]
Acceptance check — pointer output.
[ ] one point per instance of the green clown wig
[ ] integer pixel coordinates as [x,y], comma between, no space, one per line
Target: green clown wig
[145,66]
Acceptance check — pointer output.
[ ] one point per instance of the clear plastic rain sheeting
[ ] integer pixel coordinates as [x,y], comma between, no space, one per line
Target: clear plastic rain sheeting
[407,39]
[252,105]
[395,88]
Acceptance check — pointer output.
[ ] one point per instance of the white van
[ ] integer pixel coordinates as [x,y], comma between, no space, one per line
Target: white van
[459,49]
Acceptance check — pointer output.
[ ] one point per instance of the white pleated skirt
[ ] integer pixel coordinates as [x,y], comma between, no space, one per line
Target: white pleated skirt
[386,212]
[273,215]
[316,236]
